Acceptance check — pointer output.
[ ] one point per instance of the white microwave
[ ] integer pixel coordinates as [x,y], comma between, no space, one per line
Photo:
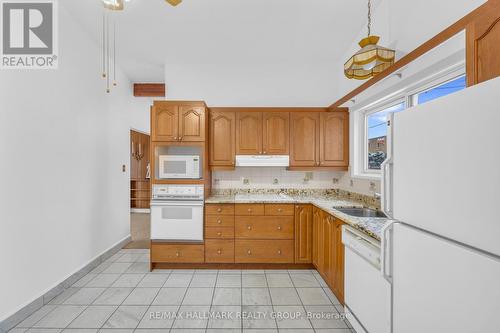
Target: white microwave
[179,166]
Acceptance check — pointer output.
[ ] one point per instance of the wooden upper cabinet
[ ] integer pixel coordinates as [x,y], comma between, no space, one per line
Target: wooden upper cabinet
[222,139]
[248,133]
[303,234]
[304,137]
[334,139]
[276,130]
[191,124]
[165,122]
[483,46]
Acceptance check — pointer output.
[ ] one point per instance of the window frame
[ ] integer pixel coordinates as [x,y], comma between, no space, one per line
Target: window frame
[407,94]
[380,107]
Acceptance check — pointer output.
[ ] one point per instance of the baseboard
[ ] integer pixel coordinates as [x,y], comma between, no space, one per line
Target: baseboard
[27,310]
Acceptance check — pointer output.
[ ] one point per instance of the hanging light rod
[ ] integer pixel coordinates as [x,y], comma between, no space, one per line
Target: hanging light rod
[371,59]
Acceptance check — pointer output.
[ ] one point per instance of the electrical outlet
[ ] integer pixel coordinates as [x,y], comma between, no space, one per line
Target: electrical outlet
[245,181]
[335,180]
[275,181]
[372,186]
[309,175]
[351,183]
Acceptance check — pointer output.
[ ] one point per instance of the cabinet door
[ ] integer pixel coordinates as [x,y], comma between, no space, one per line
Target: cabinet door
[276,130]
[483,46]
[327,235]
[303,234]
[249,133]
[222,139]
[164,122]
[338,269]
[304,137]
[191,124]
[316,236]
[334,139]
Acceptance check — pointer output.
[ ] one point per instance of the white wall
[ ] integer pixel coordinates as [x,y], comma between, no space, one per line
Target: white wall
[63,199]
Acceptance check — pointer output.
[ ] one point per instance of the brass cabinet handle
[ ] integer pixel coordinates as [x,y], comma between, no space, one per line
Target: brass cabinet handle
[265,153]
[279,227]
[219,251]
[249,252]
[219,234]
[219,221]
[175,138]
[279,252]
[177,254]
[280,210]
[249,227]
[219,210]
[249,210]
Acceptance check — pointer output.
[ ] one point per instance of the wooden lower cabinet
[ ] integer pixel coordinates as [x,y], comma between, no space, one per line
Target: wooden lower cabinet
[219,251]
[177,253]
[338,266]
[264,251]
[264,227]
[303,234]
[316,236]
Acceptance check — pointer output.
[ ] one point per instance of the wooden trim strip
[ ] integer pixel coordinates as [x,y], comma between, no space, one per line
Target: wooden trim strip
[149,89]
[421,50]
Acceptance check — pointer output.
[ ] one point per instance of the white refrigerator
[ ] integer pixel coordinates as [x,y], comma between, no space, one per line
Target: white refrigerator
[442,184]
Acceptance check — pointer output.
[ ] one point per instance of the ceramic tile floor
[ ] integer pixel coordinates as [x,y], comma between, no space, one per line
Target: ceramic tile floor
[122,296]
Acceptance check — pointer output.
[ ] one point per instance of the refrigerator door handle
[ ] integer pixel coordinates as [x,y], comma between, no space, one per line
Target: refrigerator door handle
[386,258]
[386,187]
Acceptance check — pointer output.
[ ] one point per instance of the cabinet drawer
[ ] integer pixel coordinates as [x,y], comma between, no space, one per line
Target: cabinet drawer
[249,209]
[221,251]
[178,253]
[219,209]
[219,221]
[279,210]
[219,233]
[264,227]
[263,251]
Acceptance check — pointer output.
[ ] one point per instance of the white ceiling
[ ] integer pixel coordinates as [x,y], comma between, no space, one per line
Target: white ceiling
[152,34]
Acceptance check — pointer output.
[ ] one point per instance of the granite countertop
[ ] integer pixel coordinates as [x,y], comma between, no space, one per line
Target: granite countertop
[371,226]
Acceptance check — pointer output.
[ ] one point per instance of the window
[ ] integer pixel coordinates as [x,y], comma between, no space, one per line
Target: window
[376,135]
[441,90]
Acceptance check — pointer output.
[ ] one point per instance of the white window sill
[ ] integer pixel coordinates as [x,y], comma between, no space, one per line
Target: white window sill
[367,176]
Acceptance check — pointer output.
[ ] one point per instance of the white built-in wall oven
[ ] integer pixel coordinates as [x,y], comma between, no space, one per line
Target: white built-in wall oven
[177,212]
[179,166]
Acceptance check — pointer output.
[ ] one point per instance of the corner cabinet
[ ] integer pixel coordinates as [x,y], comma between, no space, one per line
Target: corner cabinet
[334,139]
[222,139]
[178,121]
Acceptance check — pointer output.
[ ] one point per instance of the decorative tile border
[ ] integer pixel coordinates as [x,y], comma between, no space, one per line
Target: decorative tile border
[34,306]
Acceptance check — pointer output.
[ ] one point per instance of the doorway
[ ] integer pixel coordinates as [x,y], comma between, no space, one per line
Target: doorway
[140,190]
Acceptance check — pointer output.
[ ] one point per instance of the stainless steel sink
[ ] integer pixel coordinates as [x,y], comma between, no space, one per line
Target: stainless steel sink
[361,212]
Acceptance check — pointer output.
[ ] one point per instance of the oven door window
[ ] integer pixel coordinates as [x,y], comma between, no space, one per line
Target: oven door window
[175,167]
[177,213]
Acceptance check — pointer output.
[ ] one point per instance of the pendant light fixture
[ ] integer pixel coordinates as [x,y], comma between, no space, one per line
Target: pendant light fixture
[109,42]
[371,59]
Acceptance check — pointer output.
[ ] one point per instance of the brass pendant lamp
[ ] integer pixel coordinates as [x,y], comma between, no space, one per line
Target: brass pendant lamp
[371,59]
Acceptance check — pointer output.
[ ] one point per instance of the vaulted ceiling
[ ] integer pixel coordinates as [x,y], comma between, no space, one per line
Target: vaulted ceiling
[152,34]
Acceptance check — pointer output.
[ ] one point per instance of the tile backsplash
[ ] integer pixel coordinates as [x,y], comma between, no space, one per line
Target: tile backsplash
[279,178]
